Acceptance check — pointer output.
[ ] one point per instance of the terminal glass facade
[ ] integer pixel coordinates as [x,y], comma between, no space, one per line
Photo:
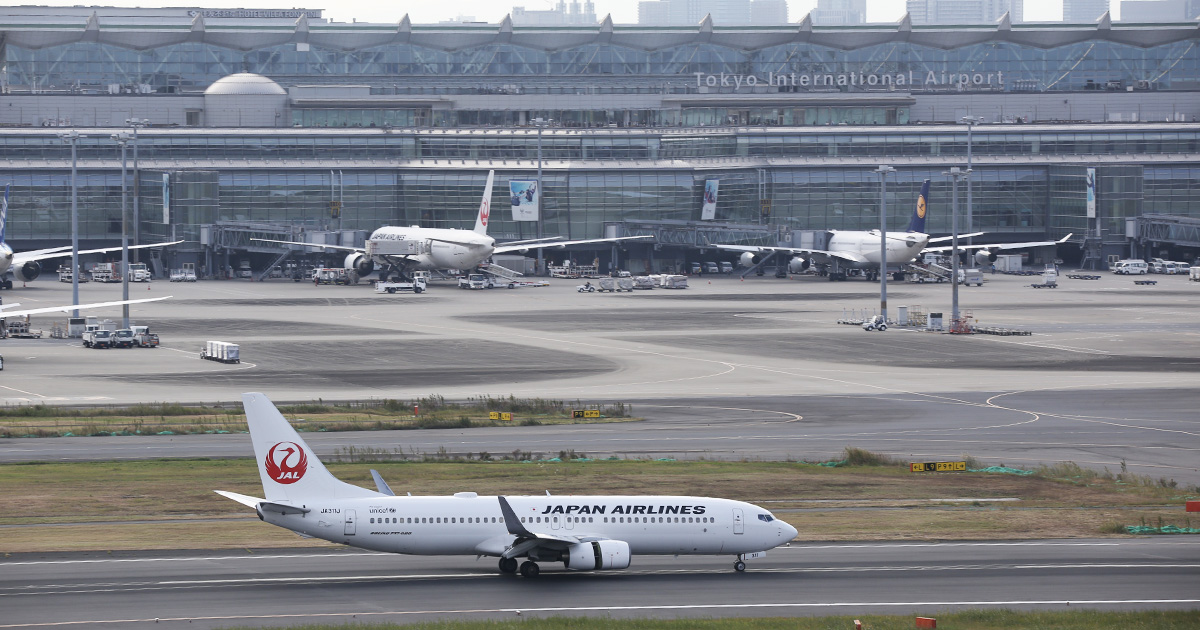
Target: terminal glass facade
[409,68]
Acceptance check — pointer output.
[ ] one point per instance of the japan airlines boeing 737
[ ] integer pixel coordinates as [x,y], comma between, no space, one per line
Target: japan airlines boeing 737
[860,250]
[405,249]
[25,266]
[585,533]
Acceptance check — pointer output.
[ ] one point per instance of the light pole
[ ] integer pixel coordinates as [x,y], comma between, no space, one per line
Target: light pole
[123,140]
[136,123]
[970,122]
[883,173]
[957,174]
[541,123]
[72,138]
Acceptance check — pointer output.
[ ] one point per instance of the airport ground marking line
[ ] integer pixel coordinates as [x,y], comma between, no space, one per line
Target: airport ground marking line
[795,417]
[22,391]
[176,585]
[1081,418]
[648,607]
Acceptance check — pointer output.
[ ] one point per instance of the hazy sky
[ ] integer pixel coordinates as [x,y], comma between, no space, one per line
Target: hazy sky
[623,11]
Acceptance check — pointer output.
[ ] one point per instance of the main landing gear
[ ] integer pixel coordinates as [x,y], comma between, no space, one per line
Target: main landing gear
[529,569]
[508,565]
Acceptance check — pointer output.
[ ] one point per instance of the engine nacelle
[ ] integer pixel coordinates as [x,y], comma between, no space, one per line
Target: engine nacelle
[984,257]
[362,265]
[29,271]
[599,554]
[749,260]
[798,264]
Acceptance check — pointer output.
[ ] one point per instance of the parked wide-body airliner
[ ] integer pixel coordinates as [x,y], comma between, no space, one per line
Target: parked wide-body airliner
[402,250]
[585,533]
[26,266]
[860,249]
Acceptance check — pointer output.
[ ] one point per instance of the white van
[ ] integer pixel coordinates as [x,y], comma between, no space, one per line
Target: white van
[1130,267]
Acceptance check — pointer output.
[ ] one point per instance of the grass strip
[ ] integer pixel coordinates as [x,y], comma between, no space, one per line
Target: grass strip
[974,619]
[431,412]
[169,504]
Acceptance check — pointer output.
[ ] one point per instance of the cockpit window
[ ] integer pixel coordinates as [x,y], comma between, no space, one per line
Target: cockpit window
[766,518]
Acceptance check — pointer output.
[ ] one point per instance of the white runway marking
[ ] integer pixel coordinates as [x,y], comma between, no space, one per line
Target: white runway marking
[583,609]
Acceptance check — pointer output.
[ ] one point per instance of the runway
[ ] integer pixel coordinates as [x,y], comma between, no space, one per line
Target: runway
[205,590]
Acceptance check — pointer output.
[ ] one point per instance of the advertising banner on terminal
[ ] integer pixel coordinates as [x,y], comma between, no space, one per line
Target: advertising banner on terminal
[1091,193]
[526,199]
[708,210]
[166,198]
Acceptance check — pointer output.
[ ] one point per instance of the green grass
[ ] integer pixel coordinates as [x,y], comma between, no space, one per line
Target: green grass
[981,619]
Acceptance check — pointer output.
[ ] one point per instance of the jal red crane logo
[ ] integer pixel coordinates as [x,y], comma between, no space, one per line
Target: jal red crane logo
[485,210]
[286,462]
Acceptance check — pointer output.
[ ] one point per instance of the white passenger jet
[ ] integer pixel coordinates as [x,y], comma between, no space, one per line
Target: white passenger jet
[401,250]
[25,266]
[860,250]
[585,533]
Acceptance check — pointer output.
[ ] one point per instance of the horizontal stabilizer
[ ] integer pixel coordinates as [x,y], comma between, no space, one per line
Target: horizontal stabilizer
[240,498]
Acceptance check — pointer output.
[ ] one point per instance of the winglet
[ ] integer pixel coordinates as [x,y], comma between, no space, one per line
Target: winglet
[381,484]
[1064,239]
[512,522]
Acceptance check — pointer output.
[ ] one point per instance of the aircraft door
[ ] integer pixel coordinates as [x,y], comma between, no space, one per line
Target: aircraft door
[349,515]
[739,525]
[555,523]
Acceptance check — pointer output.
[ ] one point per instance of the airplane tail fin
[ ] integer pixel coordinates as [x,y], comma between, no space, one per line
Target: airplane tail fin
[485,206]
[4,212]
[917,223]
[289,469]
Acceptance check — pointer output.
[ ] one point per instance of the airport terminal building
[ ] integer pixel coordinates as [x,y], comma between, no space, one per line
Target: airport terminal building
[285,124]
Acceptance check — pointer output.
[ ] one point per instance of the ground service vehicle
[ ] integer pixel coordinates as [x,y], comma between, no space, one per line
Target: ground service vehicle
[123,338]
[1131,267]
[416,286]
[98,339]
[222,351]
[476,281]
[139,272]
[875,323]
[146,340]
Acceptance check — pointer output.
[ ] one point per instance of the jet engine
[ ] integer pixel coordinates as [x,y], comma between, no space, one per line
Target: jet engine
[799,264]
[749,260]
[984,257]
[362,265]
[29,271]
[599,554]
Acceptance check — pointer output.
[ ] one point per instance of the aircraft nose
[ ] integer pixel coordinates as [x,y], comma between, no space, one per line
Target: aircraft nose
[788,531]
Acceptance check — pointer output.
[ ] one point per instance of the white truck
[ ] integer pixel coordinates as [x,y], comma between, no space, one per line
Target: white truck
[1130,267]
[139,272]
[416,286]
[476,281]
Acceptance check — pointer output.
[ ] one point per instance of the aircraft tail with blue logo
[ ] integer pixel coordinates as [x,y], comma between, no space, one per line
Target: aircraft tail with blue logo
[917,223]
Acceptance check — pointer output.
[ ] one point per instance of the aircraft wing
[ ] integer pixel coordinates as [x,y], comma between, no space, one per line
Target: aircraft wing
[321,245]
[758,249]
[58,252]
[526,539]
[71,307]
[950,238]
[559,244]
[946,248]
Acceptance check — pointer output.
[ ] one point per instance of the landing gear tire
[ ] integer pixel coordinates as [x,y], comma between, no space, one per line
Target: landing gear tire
[530,569]
[739,566]
[508,565]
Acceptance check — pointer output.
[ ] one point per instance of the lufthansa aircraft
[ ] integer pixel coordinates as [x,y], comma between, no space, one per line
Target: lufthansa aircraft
[26,266]
[585,533]
[860,249]
[404,249]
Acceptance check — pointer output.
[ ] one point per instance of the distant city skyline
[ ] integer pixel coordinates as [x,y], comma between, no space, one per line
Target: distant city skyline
[622,11]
